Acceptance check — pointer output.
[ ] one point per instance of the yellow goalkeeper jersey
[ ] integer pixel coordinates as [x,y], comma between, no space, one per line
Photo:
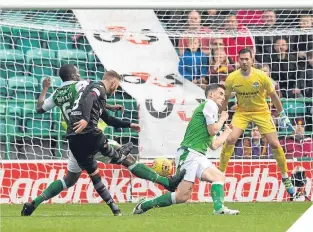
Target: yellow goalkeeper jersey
[250,91]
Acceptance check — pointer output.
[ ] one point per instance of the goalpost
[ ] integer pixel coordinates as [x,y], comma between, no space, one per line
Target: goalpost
[146,48]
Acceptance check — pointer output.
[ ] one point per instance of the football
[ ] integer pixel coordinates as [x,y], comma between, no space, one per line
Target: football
[162,166]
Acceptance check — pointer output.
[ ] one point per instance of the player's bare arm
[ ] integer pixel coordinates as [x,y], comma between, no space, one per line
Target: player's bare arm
[220,140]
[213,129]
[276,101]
[46,85]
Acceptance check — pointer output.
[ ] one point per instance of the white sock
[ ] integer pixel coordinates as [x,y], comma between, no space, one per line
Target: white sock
[132,166]
[285,176]
[173,197]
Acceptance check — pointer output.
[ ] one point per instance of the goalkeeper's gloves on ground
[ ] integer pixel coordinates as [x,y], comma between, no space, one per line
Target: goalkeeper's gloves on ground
[285,122]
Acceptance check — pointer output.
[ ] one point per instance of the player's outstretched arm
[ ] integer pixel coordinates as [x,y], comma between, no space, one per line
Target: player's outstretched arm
[214,128]
[42,105]
[220,140]
[284,120]
[114,108]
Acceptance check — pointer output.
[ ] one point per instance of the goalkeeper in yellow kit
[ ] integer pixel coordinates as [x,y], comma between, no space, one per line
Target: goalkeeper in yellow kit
[251,87]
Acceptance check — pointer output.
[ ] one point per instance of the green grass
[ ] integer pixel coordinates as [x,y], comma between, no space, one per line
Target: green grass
[254,217]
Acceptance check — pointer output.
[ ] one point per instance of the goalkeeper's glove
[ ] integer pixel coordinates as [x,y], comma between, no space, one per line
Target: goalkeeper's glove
[285,122]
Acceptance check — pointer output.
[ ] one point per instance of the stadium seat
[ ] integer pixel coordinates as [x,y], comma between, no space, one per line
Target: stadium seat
[75,57]
[23,87]
[95,66]
[55,83]
[35,124]
[26,38]
[40,62]
[294,108]
[83,44]
[14,118]
[3,87]
[6,39]
[11,63]
[2,120]
[59,40]
[92,78]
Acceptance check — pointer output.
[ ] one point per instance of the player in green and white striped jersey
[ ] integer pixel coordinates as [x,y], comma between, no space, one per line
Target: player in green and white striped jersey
[200,134]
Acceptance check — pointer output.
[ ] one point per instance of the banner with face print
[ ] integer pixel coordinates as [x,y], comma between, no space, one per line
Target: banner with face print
[134,43]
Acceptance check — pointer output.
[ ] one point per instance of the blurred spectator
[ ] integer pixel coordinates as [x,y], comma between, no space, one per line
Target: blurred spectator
[216,44]
[214,19]
[264,43]
[220,66]
[284,69]
[305,79]
[250,17]
[266,68]
[253,146]
[194,27]
[304,42]
[298,145]
[234,44]
[193,65]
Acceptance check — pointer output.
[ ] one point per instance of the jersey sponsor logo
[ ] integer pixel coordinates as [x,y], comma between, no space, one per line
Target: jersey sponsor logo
[256,84]
[76,113]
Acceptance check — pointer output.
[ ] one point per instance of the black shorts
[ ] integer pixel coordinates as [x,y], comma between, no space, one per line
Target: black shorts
[84,147]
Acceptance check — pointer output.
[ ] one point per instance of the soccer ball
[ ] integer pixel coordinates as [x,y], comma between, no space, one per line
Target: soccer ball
[162,166]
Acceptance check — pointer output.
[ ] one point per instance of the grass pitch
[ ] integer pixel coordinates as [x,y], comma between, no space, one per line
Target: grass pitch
[195,217]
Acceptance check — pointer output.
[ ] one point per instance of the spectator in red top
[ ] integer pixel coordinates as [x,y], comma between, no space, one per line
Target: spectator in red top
[242,37]
[298,145]
[194,27]
[250,17]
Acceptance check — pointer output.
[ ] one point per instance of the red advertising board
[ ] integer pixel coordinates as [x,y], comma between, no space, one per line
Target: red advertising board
[246,181]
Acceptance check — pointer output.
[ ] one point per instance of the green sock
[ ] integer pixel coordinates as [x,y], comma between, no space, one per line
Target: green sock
[144,172]
[53,189]
[161,201]
[217,193]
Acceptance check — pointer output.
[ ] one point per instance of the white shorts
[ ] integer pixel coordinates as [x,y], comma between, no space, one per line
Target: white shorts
[193,162]
[73,166]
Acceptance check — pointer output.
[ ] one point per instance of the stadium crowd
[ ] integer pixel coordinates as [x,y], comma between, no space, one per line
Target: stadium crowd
[286,58]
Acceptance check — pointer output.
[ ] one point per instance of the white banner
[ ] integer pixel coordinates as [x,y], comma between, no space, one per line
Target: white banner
[126,41]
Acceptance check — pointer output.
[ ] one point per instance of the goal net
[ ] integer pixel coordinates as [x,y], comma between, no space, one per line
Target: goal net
[165,58]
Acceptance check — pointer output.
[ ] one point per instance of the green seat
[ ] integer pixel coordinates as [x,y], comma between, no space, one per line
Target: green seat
[11,63]
[27,38]
[83,44]
[6,38]
[55,83]
[95,66]
[2,120]
[14,118]
[75,57]
[23,87]
[38,125]
[293,108]
[3,87]
[59,40]
[40,62]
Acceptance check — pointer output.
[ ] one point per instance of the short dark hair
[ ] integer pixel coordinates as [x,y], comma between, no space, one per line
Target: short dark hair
[244,51]
[67,71]
[111,73]
[213,87]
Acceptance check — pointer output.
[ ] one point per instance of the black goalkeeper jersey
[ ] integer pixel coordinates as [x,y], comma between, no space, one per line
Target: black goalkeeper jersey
[83,103]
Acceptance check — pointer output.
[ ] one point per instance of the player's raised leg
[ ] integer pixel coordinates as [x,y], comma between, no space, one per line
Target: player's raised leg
[280,157]
[228,147]
[141,170]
